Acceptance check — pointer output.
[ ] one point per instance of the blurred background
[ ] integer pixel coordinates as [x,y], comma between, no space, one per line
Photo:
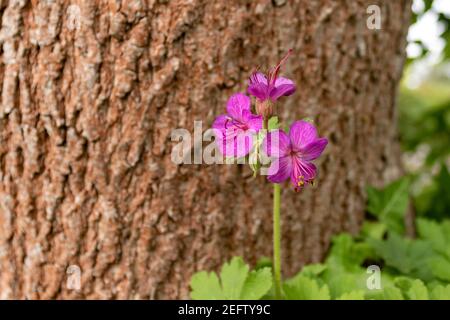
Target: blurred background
[424,108]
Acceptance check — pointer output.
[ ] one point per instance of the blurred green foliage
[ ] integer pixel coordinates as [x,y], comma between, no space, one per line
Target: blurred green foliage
[390,204]
[424,125]
[425,118]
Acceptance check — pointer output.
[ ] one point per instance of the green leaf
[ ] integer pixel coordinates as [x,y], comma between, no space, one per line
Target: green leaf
[206,286]
[344,272]
[343,282]
[232,277]
[440,293]
[236,282]
[389,292]
[407,256]
[440,267]
[346,254]
[263,262]
[353,295]
[273,123]
[418,291]
[374,230]
[392,293]
[389,204]
[313,270]
[403,283]
[434,200]
[428,5]
[257,284]
[414,289]
[437,233]
[310,120]
[304,288]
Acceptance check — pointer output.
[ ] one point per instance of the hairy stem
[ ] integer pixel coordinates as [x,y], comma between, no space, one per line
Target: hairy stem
[277,240]
[276,231]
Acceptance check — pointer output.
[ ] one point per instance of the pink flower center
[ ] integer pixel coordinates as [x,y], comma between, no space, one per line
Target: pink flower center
[294,153]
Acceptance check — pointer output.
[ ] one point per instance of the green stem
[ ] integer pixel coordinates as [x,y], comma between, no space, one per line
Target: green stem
[277,240]
[276,232]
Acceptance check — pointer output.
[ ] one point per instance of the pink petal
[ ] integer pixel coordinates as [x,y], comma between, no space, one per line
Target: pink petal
[259,90]
[302,171]
[302,133]
[283,87]
[221,122]
[276,144]
[237,104]
[280,170]
[234,143]
[282,81]
[242,144]
[314,149]
[253,122]
[258,77]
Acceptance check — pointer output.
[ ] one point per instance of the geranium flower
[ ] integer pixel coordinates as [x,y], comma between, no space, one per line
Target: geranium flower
[236,130]
[272,87]
[292,155]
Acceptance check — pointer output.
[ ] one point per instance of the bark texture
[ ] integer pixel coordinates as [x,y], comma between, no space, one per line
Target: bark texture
[90,91]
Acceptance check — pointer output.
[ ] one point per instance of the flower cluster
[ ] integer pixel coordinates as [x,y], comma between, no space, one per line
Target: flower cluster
[235,131]
[291,153]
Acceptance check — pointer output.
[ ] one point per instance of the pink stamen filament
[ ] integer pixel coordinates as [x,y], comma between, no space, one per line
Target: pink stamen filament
[274,74]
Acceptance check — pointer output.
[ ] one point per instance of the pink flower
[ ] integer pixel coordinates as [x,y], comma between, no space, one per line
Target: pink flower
[292,155]
[271,87]
[235,130]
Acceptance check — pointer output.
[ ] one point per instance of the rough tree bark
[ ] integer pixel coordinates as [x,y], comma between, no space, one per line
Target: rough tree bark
[90,91]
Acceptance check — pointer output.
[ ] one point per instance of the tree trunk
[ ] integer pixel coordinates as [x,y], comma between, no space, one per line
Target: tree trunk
[90,92]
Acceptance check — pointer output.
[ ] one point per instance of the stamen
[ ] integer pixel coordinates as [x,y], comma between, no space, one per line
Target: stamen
[274,74]
[253,77]
[301,181]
